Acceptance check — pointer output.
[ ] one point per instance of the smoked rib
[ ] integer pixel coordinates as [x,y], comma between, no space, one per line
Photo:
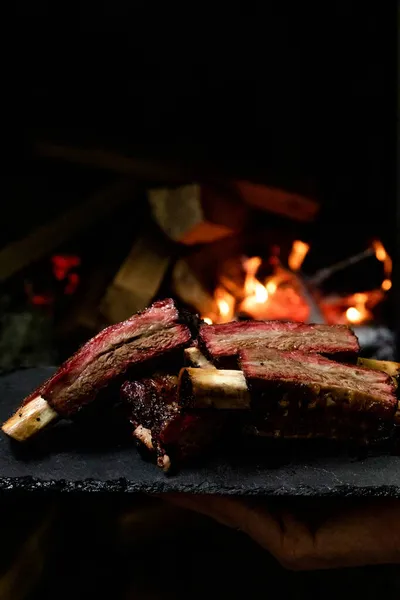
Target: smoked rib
[312,381]
[141,339]
[222,343]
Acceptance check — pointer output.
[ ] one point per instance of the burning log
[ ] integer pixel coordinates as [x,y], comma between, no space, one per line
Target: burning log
[140,341]
[278,201]
[138,279]
[212,388]
[188,287]
[195,214]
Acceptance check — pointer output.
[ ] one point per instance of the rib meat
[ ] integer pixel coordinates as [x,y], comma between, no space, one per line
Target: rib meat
[221,343]
[162,427]
[310,381]
[140,340]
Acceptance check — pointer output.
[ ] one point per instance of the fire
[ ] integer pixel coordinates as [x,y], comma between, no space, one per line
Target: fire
[359,313]
[384,258]
[207,320]
[226,304]
[380,251]
[353,315]
[251,266]
[298,254]
[281,295]
[255,292]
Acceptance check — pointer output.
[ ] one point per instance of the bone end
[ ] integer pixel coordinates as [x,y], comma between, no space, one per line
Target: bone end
[29,419]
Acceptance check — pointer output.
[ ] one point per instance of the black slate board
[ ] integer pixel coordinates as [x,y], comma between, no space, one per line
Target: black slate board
[67,460]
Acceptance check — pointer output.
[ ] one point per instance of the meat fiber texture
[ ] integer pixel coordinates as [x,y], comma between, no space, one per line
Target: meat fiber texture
[139,341]
[222,343]
[162,427]
[284,379]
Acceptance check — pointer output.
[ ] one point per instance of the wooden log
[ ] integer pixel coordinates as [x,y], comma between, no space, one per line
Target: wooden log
[141,169]
[212,388]
[279,201]
[188,287]
[196,214]
[138,279]
[43,240]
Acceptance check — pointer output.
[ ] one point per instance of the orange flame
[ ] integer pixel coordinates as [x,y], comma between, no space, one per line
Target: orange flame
[256,293]
[384,258]
[358,313]
[226,304]
[281,297]
[297,255]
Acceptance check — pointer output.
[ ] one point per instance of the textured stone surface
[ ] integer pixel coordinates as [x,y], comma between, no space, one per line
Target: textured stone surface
[69,459]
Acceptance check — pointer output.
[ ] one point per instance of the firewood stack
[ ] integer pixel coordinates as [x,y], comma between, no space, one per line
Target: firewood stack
[194,227]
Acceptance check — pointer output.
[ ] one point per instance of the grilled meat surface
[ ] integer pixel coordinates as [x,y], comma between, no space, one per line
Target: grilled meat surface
[312,381]
[140,341]
[162,426]
[222,343]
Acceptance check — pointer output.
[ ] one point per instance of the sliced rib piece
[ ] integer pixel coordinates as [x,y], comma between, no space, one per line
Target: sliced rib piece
[142,340]
[312,381]
[213,388]
[162,427]
[221,343]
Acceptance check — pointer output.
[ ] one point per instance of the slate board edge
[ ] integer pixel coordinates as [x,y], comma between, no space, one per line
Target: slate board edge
[125,472]
[31,484]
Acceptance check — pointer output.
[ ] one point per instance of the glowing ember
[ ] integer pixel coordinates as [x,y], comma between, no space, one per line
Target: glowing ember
[63,263]
[386,285]
[380,251]
[353,315]
[359,313]
[297,255]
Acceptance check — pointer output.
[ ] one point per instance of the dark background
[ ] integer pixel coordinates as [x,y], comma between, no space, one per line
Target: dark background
[282,93]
